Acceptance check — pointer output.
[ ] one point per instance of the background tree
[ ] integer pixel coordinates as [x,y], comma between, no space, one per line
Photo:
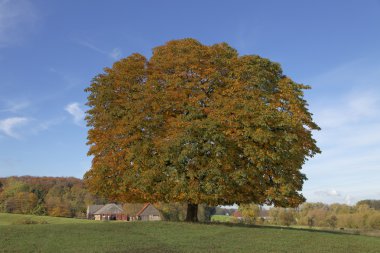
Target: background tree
[310,221]
[172,211]
[249,212]
[205,212]
[372,203]
[332,221]
[198,124]
[286,216]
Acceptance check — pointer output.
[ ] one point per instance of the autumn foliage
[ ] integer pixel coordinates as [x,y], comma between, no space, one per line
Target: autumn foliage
[54,196]
[198,124]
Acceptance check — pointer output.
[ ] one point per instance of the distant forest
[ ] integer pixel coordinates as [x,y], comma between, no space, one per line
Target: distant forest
[67,197]
[53,196]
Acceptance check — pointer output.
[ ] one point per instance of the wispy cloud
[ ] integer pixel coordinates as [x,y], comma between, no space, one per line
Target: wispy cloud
[8,163]
[115,53]
[76,112]
[17,18]
[246,37]
[70,80]
[90,46]
[349,108]
[8,126]
[47,124]
[13,107]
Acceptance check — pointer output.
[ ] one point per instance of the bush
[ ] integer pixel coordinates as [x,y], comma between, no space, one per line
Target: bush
[286,217]
[310,222]
[29,221]
[374,221]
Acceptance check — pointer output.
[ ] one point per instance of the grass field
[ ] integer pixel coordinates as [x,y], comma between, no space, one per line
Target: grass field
[221,218]
[71,235]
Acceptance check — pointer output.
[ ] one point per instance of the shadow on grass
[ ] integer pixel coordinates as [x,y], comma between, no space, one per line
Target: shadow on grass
[229,224]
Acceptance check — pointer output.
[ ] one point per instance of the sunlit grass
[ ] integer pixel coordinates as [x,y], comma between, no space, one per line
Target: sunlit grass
[12,219]
[93,236]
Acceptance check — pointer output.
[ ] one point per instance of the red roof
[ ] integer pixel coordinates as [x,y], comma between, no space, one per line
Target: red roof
[142,210]
[237,214]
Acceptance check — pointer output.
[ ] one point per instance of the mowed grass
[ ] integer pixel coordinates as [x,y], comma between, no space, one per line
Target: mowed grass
[93,236]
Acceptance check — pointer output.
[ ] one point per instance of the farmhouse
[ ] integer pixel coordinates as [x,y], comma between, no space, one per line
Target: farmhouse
[128,212]
[149,213]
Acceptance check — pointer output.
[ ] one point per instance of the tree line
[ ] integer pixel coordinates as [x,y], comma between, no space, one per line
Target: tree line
[364,215]
[68,197]
[53,196]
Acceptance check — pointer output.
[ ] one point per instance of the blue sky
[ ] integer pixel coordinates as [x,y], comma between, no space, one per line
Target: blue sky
[50,51]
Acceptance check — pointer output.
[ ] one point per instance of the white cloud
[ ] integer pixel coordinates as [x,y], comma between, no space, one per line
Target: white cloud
[17,18]
[349,200]
[7,126]
[76,111]
[330,192]
[114,54]
[346,104]
[334,196]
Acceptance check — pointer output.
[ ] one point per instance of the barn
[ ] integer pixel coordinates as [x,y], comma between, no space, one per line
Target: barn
[149,213]
[110,212]
[128,212]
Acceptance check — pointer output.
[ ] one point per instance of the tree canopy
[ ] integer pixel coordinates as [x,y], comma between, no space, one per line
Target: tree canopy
[198,124]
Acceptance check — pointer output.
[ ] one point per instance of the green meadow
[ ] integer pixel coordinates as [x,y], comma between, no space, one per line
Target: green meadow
[221,218]
[48,234]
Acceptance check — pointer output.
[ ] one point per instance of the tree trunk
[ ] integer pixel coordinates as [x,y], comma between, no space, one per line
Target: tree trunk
[192,213]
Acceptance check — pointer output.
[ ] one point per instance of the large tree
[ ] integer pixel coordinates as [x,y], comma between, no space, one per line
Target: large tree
[198,124]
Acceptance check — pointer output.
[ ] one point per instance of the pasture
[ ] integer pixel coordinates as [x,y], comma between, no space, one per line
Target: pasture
[72,235]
